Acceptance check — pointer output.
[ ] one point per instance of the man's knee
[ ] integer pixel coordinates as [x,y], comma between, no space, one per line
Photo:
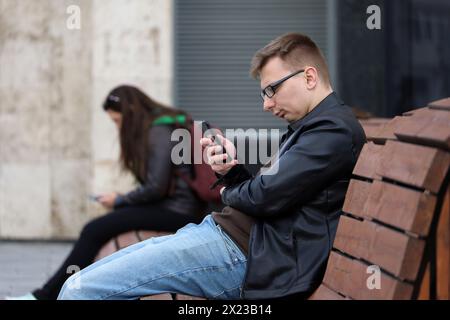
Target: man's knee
[72,289]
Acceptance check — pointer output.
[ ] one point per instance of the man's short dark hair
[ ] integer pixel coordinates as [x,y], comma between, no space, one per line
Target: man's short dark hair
[296,50]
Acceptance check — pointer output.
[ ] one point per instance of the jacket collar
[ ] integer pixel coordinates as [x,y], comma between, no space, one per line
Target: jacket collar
[330,100]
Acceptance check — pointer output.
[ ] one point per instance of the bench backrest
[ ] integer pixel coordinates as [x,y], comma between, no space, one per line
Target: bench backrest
[396,213]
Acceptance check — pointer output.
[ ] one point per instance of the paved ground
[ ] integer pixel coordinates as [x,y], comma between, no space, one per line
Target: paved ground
[26,265]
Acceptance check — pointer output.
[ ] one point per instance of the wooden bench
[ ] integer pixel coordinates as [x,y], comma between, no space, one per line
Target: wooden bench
[396,214]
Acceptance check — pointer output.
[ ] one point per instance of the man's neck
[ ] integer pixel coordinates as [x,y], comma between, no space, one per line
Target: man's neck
[321,94]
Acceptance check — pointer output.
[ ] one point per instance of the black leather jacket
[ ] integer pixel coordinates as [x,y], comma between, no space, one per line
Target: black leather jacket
[297,203]
[161,185]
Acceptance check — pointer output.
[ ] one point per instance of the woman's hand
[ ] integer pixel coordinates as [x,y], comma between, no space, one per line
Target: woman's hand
[107,200]
[219,160]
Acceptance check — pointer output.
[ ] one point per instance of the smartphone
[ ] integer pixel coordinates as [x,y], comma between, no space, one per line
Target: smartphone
[213,136]
[94,197]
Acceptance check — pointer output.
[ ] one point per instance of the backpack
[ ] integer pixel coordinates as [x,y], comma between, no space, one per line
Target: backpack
[202,177]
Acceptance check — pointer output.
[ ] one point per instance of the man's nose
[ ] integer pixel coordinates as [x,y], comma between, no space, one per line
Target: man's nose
[268,104]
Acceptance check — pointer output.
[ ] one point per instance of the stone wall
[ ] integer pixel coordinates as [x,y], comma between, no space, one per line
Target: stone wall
[56,144]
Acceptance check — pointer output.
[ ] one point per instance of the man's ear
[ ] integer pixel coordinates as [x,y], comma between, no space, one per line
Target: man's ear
[312,77]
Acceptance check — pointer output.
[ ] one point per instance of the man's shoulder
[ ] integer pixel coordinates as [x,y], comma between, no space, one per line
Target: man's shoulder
[337,122]
[337,115]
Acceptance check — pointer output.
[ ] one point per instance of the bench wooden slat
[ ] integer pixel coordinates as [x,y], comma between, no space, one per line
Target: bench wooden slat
[145,234]
[376,121]
[386,131]
[372,126]
[127,239]
[415,111]
[391,250]
[349,277]
[186,297]
[430,127]
[443,250]
[356,197]
[162,296]
[368,161]
[420,166]
[443,104]
[370,130]
[325,293]
[109,248]
[164,233]
[398,206]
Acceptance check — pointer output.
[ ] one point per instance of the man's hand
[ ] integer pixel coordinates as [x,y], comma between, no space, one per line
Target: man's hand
[217,158]
[107,200]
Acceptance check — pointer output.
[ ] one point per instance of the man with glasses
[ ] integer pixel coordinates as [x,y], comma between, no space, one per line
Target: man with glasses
[274,237]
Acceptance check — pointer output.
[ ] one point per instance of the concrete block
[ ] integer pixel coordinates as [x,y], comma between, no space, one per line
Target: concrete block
[70,187]
[25,209]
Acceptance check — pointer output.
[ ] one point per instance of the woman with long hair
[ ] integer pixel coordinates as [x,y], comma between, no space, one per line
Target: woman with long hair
[162,201]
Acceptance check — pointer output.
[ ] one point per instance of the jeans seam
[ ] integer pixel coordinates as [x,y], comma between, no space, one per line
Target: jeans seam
[228,290]
[239,254]
[229,248]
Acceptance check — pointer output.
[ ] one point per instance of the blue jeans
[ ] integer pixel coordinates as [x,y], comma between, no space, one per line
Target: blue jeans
[198,260]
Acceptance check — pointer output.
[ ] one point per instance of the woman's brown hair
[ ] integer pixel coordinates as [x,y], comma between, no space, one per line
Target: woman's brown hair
[138,113]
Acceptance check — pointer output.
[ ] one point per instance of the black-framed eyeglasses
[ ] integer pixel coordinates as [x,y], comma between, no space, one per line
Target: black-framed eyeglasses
[270,90]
